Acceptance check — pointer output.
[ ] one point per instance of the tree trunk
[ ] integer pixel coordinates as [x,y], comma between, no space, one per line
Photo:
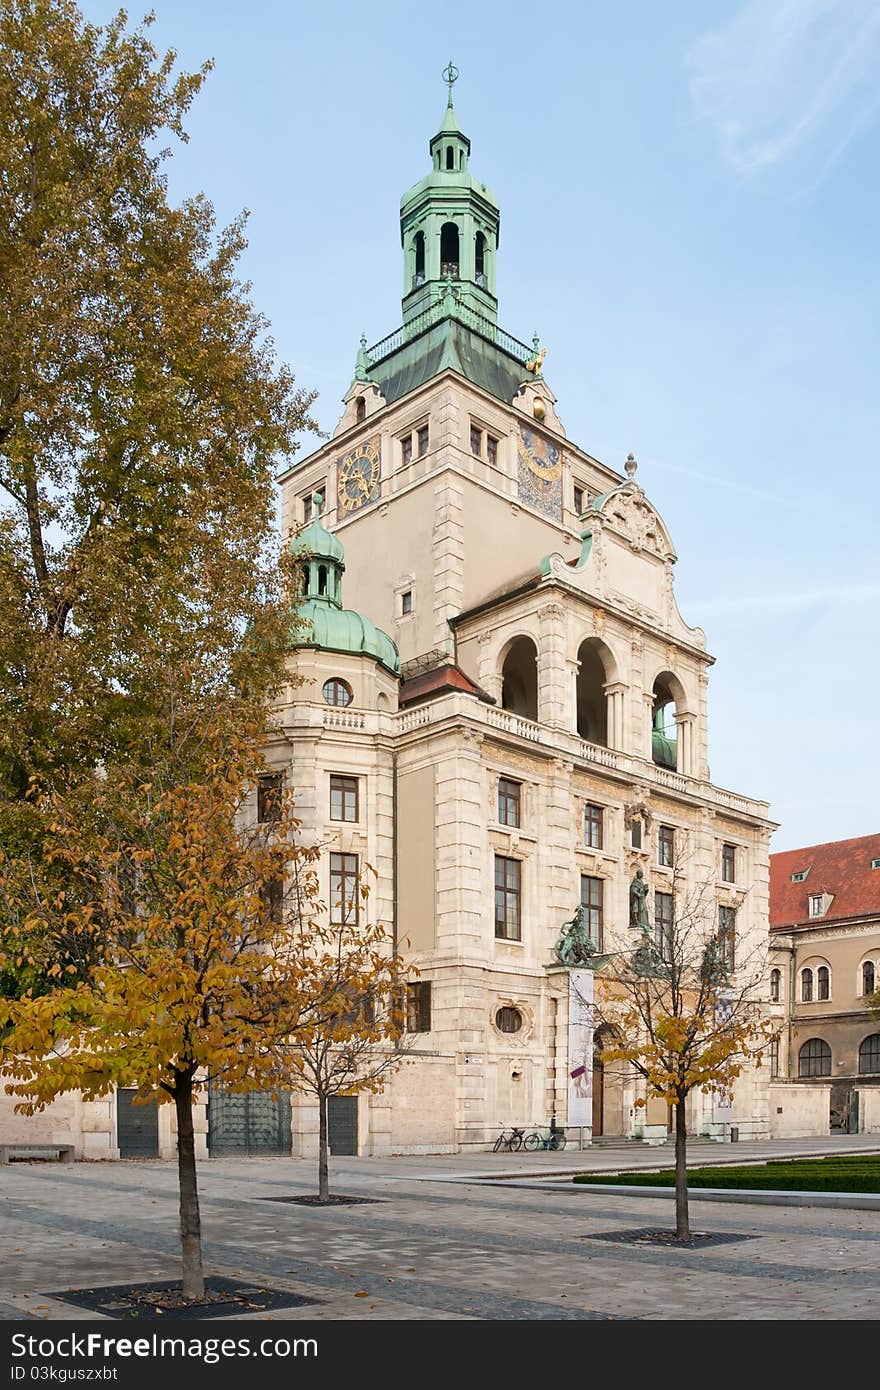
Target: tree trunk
[190,1221]
[323,1175]
[682,1220]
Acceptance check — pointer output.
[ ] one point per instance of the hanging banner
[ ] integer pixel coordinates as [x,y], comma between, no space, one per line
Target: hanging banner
[580,1047]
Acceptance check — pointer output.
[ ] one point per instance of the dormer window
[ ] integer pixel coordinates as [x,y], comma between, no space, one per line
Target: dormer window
[799,876]
[817,904]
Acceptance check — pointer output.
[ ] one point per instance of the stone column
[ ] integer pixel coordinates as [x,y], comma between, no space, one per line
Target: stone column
[614,705]
[684,724]
[647,726]
[551,667]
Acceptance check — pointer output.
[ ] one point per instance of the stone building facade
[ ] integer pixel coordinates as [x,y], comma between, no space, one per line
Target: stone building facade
[536,729]
[825,969]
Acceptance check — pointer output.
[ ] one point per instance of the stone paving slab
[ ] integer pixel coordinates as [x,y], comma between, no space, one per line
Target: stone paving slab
[439,1246]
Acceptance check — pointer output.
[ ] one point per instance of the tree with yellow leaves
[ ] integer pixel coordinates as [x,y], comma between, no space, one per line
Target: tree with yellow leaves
[178,894]
[685,1009]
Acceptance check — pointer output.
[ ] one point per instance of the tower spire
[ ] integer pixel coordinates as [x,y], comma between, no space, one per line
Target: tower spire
[450,77]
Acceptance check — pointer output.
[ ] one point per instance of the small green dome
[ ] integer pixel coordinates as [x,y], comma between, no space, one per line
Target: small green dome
[321,620]
[316,540]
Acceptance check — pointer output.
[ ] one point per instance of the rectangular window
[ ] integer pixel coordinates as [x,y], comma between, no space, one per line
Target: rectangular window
[774,1057]
[269,797]
[306,503]
[636,834]
[343,798]
[591,902]
[343,888]
[508,925]
[666,846]
[492,449]
[728,863]
[508,802]
[476,441]
[272,895]
[727,935]
[422,440]
[406,450]
[663,909]
[418,1006]
[406,602]
[817,905]
[579,500]
[592,826]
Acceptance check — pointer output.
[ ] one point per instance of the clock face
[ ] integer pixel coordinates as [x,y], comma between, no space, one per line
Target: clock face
[358,477]
[540,456]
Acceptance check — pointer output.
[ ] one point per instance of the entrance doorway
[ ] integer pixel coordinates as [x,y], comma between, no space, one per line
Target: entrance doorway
[137,1126]
[253,1123]
[342,1125]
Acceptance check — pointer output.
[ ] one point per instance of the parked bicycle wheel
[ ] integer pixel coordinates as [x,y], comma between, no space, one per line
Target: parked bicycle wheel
[498,1142]
[557,1141]
[532,1141]
[516,1140]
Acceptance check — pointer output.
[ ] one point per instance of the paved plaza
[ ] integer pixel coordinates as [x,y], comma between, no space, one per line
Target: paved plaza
[482,1236]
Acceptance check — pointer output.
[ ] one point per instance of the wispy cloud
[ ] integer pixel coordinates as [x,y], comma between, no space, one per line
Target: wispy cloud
[792,501]
[789,78]
[805,598]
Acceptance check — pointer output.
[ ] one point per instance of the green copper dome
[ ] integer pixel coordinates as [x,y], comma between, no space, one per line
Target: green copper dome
[322,622]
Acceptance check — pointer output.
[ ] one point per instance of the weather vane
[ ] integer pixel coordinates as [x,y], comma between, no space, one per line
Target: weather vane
[450,75]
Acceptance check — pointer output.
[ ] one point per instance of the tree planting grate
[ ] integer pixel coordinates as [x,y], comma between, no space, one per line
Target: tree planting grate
[648,1235]
[223,1298]
[336,1199]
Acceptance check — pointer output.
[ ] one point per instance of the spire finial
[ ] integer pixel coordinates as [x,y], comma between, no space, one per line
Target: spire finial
[362,364]
[450,76]
[630,466]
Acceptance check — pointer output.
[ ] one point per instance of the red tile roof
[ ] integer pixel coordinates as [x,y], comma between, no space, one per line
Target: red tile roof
[438,681]
[842,869]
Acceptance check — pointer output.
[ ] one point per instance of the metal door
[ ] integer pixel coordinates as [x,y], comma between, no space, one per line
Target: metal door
[253,1123]
[137,1126]
[342,1125]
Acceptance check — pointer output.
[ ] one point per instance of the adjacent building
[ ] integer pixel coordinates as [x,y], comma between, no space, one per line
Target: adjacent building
[825,968]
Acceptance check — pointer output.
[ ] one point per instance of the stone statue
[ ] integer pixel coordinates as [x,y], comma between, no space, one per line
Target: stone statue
[648,963]
[574,946]
[638,902]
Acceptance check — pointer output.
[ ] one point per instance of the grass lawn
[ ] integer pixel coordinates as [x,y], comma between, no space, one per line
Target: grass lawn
[860,1173]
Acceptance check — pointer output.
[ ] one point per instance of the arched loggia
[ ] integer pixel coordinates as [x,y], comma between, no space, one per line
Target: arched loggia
[519,678]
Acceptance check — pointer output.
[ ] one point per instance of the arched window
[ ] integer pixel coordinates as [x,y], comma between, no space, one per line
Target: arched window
[304,574]
[450,157]
[868,977]
[775,983]
[814,1058]
[869,1055]
[519,678]
[360,409]
[419,245]
[322,579]
[480,259]
[449,250]
[807,986]
[823,981]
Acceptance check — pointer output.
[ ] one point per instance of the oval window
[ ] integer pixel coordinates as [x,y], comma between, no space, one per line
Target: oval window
[508,1020]
[336,692]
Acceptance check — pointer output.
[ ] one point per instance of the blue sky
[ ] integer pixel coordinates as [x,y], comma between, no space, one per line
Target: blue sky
[690,202]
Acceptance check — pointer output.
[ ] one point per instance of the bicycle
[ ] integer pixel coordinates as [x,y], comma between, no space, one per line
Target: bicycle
[512,1140]
[554,1140]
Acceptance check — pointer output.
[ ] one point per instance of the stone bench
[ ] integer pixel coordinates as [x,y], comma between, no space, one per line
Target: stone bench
[65,1152]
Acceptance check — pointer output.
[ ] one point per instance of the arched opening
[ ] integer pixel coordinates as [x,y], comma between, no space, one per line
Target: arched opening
[322,579]
[775,984]
[869,1055]
[519,678]
[608,1107]
[807,986]
[480,259]
[360,410]
[449,260]
[304,579]
[664,733]
[592,717]
[814,1058]
[868,977]
[419,245]
[450,157]
[823,982]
